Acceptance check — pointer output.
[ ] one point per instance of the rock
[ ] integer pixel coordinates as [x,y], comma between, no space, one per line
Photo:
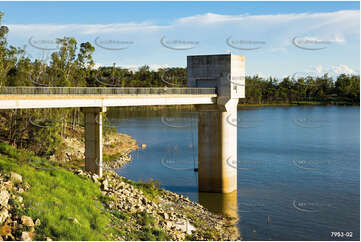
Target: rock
[26,236]
[105,184]
[79,172]
[26,186]
[95,178]
[5,232]
[27,221]
[144,201]
[37,222]
[15,177]
[184,226]
[8,185]
[4,214]
[168,224]
[74,220]
[4,197]
[19,199]
[165,216]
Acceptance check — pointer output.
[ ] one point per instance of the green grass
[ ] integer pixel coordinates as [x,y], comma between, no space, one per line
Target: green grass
[55,196]
[149,230]
[205,230]
[112,157]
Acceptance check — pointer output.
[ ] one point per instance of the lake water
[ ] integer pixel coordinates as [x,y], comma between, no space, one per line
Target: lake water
[298,167]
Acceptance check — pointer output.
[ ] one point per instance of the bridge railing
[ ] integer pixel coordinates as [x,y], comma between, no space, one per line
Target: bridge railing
[103,91]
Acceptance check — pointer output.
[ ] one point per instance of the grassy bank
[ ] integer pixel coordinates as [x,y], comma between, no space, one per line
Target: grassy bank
[53,201]
[68,206]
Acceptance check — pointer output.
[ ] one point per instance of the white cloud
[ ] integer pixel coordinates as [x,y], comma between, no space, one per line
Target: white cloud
[209,18]
[211,30]
[342,69]
[319,21]
[332,70]
[84,28]
[97,65]
[134,67]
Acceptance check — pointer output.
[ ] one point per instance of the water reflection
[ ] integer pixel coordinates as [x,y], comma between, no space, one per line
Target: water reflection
[220,203]
[225,204]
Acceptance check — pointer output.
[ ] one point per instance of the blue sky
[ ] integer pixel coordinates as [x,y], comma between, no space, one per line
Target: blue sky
[277,38]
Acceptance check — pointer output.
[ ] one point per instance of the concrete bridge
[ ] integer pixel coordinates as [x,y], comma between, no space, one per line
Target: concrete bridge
[215,84]
[69,97]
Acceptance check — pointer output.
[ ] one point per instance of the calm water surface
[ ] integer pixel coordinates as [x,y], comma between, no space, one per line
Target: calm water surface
[298,167]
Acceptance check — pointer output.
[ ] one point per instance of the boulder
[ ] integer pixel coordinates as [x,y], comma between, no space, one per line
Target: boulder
[95,178]
[79,172]
[184,226]
[144,201]
[74,220]
[37,222]
[4,214]
[8,185]
[27,221]
[15,177]
[165,216]
[4,197]
[5,232]
[168,224]
[19,199]
[26,236]
[104,185]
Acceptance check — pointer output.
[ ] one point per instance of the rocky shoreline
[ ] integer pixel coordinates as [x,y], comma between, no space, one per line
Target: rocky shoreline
[116,149]
[120,161]
[181,218]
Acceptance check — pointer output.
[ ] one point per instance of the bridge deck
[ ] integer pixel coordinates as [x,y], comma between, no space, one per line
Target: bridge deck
[63,97]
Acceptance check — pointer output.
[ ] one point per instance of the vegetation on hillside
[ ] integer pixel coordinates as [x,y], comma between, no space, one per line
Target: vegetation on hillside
[53,201]
[71,207]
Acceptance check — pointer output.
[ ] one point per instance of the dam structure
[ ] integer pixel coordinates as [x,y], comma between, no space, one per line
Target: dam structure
[215,83]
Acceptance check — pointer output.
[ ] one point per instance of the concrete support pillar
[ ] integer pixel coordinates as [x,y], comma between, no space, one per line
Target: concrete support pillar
[217,146]
[93,139]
